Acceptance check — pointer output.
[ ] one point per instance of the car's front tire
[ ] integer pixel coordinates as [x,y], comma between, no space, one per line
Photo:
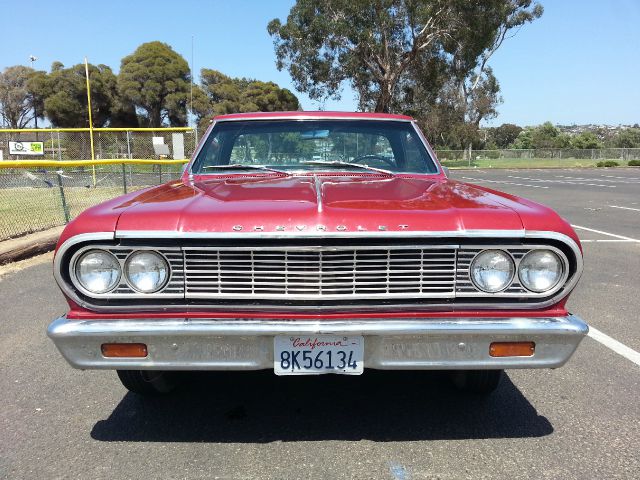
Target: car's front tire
[147,382]
[481,382]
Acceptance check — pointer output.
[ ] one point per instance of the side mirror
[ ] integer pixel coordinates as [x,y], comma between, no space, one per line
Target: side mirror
[445,170]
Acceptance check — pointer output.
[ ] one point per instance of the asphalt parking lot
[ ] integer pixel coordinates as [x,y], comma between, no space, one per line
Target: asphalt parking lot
[581,421]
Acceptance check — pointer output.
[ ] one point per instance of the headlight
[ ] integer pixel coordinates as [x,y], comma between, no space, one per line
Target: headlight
[540,270]
[146,271]
[97,271]
[492,271]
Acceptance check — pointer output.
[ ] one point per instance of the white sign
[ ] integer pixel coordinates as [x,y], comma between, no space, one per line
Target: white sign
[26,148]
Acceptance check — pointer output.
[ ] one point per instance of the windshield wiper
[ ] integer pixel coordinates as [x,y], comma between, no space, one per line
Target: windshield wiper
[240,166]
[337,163]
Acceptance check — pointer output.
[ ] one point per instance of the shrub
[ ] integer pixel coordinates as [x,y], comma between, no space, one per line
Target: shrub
[634,163]
[493,154]
[608,163]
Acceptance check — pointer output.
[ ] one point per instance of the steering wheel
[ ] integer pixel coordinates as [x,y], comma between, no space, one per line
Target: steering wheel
[373,156]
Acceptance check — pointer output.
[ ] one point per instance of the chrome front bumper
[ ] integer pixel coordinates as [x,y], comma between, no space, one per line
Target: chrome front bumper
[405,344]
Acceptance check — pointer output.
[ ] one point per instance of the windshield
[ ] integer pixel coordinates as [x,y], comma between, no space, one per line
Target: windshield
[314,145]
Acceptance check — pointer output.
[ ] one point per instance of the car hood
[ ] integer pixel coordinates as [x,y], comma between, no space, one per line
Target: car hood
[305,203]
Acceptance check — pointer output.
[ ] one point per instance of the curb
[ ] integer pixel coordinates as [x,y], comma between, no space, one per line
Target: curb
[29,246]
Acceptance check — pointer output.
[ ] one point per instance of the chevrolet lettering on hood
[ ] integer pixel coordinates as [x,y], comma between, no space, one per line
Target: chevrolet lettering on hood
[311,243]
[319,228]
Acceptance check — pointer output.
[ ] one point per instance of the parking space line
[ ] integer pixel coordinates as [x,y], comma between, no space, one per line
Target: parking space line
[563,182]
[481,180]
[621,237]
[613,344]
[606,240]
[587,179]
[622,178]
[625,208]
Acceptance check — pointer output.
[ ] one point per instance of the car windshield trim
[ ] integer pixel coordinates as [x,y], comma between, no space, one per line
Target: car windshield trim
[337,163]
[405,145]
[240,166]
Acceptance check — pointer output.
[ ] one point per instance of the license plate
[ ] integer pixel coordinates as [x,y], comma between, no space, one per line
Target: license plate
[316,354]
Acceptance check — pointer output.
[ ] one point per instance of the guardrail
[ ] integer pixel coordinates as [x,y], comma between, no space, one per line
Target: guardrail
[40,194]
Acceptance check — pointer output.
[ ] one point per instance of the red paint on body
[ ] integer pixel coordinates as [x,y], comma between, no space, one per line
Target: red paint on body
[356,201]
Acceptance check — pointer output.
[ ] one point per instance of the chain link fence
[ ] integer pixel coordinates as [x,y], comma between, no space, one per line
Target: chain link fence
[536,157]
[34,199]
[37,198]
[75,144]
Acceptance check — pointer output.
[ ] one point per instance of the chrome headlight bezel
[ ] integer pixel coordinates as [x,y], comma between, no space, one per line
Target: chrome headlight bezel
[512,270]
[132,284]
[80,284]
[558,280]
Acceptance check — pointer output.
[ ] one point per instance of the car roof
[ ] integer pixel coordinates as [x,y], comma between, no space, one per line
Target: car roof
[310,115]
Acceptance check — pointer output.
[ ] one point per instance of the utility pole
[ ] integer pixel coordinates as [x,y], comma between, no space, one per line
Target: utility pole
[93,156]
[191,85]
[32,59]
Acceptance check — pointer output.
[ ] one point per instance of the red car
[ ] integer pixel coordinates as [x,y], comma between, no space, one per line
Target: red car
[316,242]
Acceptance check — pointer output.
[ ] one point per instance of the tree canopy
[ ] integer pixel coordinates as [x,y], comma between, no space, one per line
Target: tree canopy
[156,80]
[17,97]
[504,135]
[428,58]
[221,94]
[64,91]
[542,136]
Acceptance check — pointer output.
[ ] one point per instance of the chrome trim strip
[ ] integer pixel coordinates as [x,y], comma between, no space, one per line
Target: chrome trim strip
[498,234]
[246,344]
[123,277]
[427,147]
[70,242]
[414,124]
[312,117]
[516,262]
[309,233]
[203,141]
[318,185]
[62,327]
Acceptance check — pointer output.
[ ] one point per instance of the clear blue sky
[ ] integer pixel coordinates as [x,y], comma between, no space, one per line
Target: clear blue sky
[579,63]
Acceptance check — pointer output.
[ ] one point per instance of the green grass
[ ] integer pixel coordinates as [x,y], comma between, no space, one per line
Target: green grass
[521,163]
[26,210]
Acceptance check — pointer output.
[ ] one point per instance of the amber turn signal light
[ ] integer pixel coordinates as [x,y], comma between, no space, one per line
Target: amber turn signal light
[124,350]
[512,349]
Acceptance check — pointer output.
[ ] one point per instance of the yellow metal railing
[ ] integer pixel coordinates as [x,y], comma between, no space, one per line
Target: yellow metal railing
[102,129]
[87,163]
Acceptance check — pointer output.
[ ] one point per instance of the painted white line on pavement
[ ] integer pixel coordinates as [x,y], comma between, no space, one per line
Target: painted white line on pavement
[562,181]
[481,180]
[584,179]
[613,344]
[606,233]
[607,240]
[625,208]
[622,178]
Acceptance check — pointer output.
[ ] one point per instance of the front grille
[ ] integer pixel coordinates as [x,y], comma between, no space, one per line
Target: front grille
[320,272]
[337,274]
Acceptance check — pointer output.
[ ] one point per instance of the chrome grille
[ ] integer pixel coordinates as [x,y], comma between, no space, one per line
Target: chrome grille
[320,272]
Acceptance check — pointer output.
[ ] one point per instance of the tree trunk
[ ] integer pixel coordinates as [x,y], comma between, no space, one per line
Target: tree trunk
[155,116]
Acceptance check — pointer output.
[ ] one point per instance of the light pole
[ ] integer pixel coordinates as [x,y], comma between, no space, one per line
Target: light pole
[32,59]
